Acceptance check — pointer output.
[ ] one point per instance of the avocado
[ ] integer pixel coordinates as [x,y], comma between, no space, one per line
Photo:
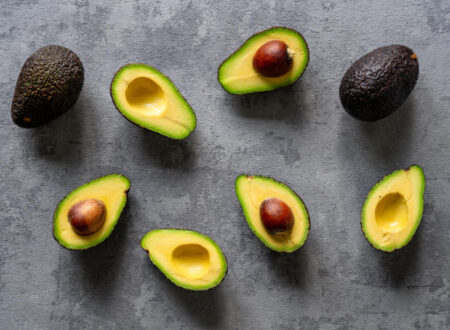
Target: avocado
[274,212]
[187,258]
[269,60]
[379,82]
[393,209]
[149,99]
[48,85]
[87,215]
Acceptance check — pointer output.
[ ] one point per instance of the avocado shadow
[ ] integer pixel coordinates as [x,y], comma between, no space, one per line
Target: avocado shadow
[402,264]
[96,268]
[289,269]
[61,139]
[204,307]
[385,140]
[283,103]
[168,153]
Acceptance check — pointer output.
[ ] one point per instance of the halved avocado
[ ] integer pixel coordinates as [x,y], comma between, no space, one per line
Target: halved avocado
[149,99]
[189,259]
[393,209]
[238,76]
[252,191]
[111,190]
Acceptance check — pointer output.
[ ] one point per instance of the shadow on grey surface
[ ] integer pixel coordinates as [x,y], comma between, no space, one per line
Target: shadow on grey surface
[385,140]
[402,264]
[168,153]
[283,103]
[60,139]
[204,307]
[96,269]
[388,269]
[289,269]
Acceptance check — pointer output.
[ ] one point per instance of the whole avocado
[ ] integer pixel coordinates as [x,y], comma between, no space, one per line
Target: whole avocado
[48,85]
[379,82]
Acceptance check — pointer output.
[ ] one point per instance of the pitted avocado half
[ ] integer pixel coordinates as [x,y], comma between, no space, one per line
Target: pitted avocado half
[253,191]
[187,258]
[111,191]
[149,99]
[393,209]
[238,75]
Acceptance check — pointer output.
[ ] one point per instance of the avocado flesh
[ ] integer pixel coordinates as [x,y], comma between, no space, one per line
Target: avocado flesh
[48,85]
[237,75]
[251,191]
[149,99]
[187,258]
[379,82]
[393,209]
[111,190]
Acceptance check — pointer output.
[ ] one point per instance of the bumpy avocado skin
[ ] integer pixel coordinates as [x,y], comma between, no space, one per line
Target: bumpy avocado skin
[48,85]
[379,82]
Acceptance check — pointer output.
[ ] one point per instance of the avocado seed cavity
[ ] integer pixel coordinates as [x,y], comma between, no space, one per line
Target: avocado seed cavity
[145,95]
[273,59]
[276,216]
[87,216]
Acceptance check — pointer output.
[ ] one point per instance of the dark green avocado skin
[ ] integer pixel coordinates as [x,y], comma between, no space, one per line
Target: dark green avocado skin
[379,82]
[48,85]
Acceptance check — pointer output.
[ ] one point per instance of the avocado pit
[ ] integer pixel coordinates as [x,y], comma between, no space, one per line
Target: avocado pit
[87,216]
[272,59]
[276,216]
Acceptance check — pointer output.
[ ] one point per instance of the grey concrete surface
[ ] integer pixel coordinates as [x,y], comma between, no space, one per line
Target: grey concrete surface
[299,135]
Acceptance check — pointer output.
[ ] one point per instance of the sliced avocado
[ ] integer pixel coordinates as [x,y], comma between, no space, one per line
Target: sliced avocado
[237,74]
[393,209]
[111,190]
[48,85]
[378,83]
[252,192]
[189,259]
[149,99]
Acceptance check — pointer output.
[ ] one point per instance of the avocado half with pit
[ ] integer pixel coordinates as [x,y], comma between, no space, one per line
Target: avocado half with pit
[274,212]
[88,215]
[269,60]
[149,99]
[187,258]
[393,209]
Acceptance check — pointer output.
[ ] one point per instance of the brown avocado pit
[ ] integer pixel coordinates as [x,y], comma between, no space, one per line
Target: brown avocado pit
[272,59]
[87,216]
[276,216]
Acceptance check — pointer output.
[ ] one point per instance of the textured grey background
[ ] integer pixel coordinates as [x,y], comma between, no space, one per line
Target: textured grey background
[299,135]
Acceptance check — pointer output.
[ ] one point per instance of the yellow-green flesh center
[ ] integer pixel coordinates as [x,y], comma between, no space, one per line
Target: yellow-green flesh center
[191,261]
[146,96]
[391,213]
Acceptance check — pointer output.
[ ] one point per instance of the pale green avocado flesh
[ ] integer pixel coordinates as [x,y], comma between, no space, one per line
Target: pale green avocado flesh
[111,190]
[251,191]
[149,99]
[237,75]
[393,209]
[187,258]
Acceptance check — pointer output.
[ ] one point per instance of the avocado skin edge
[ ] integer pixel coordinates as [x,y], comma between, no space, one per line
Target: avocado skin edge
[48,85]
[251,227]
[379,82]
[62,199]
[176,284]
[248,39]
[135,123]
[413,232]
